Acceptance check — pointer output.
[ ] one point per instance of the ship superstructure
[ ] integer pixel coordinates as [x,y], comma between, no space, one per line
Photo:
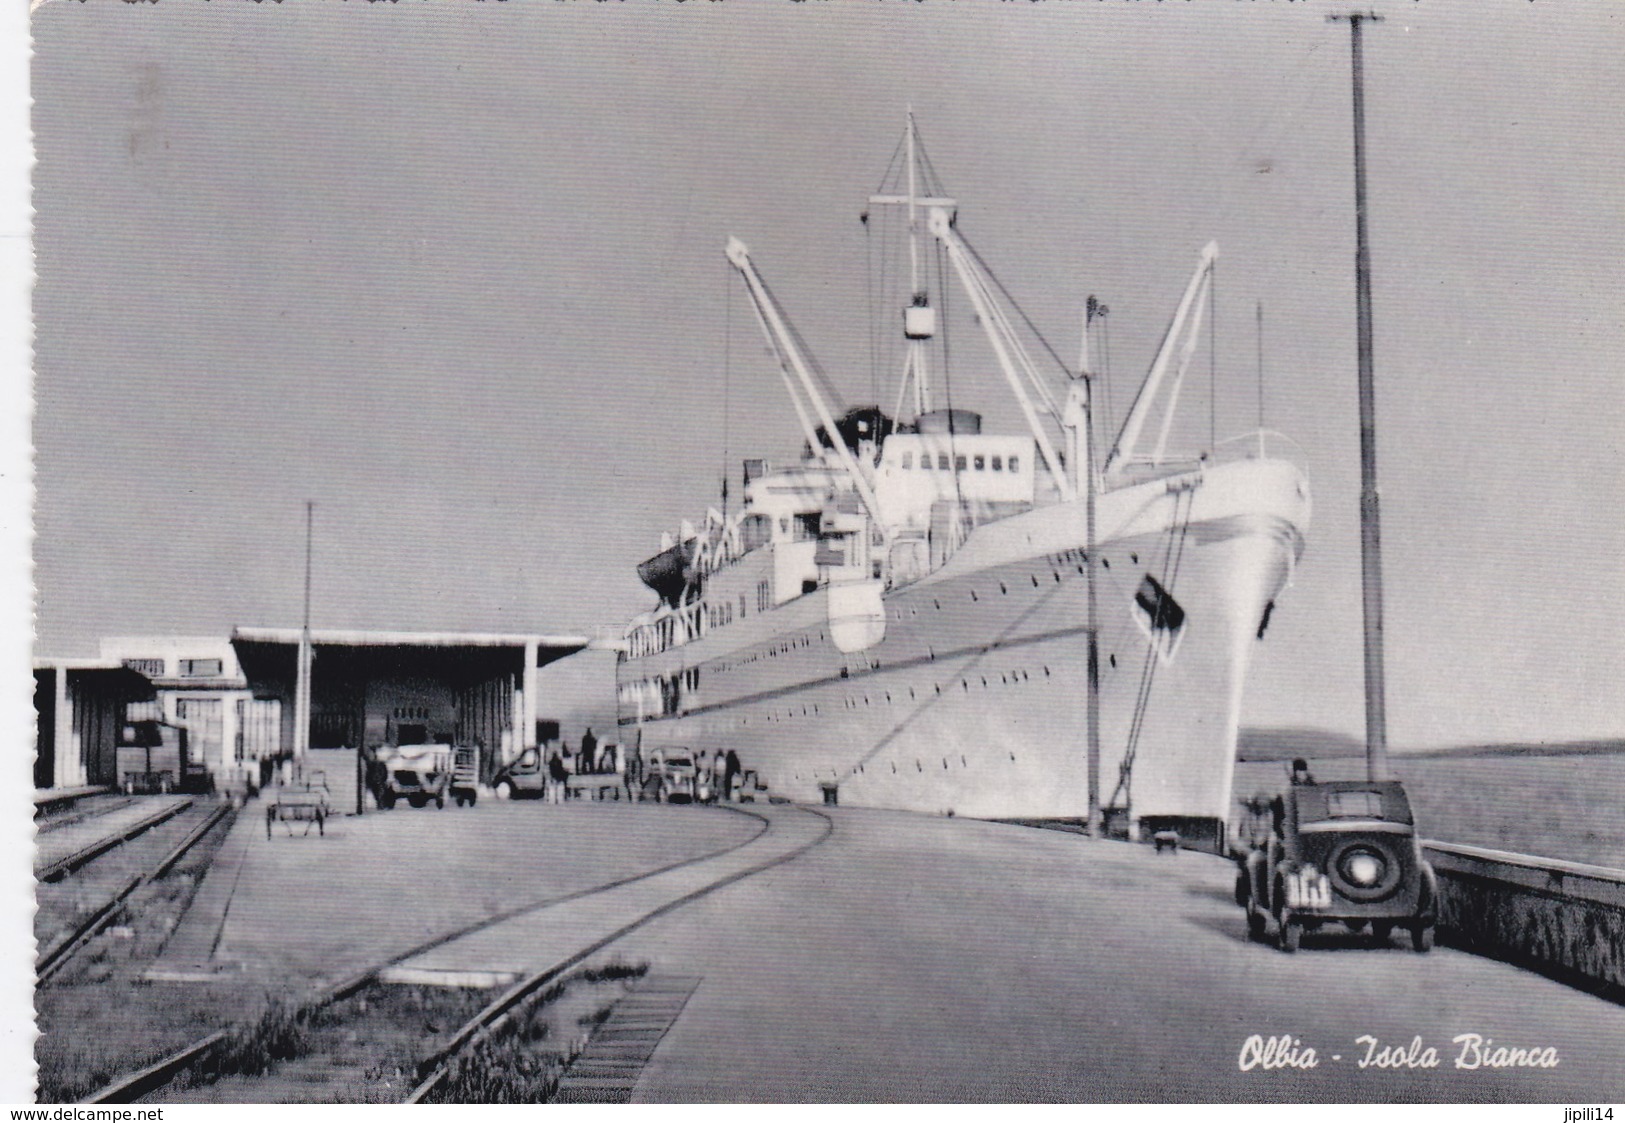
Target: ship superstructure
[899,617]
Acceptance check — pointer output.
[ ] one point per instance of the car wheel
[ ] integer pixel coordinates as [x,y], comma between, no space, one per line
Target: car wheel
[1291,935]
[1355,926]
[1382,930]
[1422,937]
[386,800]
[504,790]
[440,802]
[1257,924]
[417,800]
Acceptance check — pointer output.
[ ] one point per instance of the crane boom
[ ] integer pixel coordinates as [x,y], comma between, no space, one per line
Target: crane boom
[791,361]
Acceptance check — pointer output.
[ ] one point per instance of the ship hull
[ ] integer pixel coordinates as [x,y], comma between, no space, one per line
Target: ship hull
[974,701]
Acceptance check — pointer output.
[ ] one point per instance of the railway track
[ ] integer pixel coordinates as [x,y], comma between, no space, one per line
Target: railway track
[366,1010]
[58,868]
[87,807]
[73,919]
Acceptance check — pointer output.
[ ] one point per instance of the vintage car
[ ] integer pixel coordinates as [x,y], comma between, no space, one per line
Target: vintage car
[419,774]
[524,777]
[1343,851]
[673,777]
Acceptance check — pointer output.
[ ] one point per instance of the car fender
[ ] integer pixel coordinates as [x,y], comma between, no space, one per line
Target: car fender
[1429,904]
[1257,873]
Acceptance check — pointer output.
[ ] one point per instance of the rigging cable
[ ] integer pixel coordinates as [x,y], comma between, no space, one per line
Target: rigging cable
[869,301]
[1172,559]
[1212,357]
[948,394]
[1106,369]
[1261,372]
[727,373]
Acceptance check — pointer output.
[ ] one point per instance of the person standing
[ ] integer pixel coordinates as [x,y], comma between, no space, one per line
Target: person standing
[589,751]
[556,775]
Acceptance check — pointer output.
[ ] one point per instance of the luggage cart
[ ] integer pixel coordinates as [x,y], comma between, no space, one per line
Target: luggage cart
[307,802]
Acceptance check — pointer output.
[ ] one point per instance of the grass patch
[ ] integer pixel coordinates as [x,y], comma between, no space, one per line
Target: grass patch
[523,1061]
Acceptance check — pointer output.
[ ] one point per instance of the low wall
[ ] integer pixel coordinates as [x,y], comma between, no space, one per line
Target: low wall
[1562,918]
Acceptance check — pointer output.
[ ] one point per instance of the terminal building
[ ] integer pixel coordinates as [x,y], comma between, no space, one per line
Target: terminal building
[236,697]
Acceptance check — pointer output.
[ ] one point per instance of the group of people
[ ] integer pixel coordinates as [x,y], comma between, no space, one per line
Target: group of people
[593,759]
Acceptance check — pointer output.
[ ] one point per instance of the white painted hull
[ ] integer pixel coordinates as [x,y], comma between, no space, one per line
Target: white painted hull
[975,700]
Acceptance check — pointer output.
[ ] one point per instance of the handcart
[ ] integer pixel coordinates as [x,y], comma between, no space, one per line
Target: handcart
[306,802]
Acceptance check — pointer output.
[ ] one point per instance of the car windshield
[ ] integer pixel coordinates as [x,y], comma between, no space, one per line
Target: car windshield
[1334,801]
[1348,805]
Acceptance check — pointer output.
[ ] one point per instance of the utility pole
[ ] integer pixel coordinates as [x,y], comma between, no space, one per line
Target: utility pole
[1376,722]
[301,689]
[1089,480]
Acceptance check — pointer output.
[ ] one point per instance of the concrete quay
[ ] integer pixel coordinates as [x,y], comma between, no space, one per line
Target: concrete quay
[884,956]
[306,909]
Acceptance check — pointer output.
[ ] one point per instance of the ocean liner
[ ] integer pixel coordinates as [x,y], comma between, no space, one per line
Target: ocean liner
[900,616]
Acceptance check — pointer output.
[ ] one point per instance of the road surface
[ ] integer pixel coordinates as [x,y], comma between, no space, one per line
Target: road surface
[927,959]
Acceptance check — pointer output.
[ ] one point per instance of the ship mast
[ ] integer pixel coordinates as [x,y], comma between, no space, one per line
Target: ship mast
[919,318]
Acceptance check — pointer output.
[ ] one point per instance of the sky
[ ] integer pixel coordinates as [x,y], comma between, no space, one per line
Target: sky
[456,275]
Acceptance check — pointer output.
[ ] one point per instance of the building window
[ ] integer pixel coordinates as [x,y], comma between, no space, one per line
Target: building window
[200,668]
[152,668]
[980,463]
[925,461]
[998,463]
[908,460]
[959,463]
[1015,464]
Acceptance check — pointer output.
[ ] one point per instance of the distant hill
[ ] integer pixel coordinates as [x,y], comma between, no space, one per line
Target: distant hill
[1321,744]
[1284,744]
[1607,746]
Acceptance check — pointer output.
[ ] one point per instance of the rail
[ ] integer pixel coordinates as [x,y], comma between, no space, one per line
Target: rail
[1562,919]
[62,867]
[54,958]
[156,1075]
